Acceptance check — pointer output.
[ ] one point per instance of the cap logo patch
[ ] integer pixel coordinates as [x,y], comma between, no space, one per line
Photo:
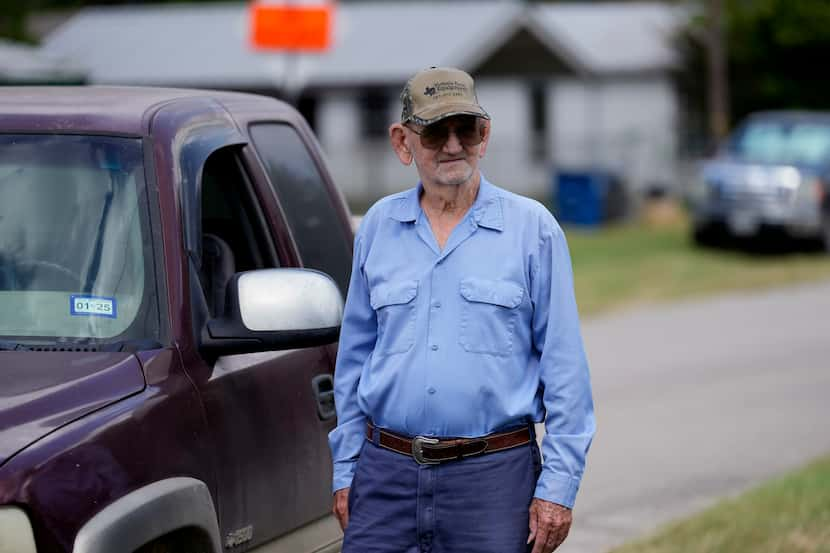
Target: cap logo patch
[450,88]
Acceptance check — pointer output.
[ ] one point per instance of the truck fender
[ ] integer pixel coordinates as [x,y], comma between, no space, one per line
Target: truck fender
[149,513]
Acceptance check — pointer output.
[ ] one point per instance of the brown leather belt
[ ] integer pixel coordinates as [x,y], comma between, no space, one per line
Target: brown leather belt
[432,451]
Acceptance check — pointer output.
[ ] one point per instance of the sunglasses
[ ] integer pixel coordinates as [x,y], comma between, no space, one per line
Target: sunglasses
[467,129]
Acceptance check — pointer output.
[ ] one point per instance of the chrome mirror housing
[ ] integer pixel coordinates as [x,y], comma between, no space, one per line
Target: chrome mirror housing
[275,309]
[280,300]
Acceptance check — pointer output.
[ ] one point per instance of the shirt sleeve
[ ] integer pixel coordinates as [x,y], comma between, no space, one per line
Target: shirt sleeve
[358,333]
[563,366]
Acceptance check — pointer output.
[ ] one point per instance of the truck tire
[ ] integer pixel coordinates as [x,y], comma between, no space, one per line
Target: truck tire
[707,236]
[167,547]
[825,231]
[181,541]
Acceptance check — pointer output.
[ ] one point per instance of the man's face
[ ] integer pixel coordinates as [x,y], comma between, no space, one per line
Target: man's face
[446,153]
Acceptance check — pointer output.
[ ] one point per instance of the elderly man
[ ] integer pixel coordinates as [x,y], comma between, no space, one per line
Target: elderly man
[460,331]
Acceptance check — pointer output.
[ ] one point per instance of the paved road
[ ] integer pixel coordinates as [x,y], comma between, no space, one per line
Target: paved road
[700,400]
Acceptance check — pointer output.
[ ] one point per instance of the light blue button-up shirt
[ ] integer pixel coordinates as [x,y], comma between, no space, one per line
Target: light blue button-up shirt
[465,341]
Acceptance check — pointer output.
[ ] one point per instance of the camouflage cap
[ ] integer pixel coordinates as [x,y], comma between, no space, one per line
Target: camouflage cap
[439,92]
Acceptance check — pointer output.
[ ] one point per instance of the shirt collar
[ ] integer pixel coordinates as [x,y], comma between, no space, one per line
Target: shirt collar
[486,210]
[407,207]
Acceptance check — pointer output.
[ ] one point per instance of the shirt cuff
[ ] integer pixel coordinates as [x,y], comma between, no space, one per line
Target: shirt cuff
[557,488]
[343,475]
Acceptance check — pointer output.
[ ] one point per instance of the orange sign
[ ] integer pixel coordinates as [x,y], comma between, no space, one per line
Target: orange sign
[291,26]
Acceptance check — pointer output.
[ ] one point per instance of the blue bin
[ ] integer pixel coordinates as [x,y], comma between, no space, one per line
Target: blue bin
[587,198]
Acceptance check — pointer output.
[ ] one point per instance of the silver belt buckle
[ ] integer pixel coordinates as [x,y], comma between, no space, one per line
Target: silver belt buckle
[418,449]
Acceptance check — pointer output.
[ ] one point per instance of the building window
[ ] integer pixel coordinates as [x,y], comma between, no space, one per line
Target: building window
[538,102]
[375,113]
[307,106]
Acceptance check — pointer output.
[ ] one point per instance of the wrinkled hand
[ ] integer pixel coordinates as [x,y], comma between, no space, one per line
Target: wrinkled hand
[549,525]
[341,507]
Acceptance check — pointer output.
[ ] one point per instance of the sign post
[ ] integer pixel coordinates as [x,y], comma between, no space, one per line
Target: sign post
[292,29]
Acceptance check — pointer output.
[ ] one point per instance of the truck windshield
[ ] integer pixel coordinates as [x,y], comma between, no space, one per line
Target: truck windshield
[783,142]
[75,259]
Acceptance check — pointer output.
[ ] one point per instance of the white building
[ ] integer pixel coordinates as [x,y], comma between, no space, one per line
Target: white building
[569,86]
[22,64]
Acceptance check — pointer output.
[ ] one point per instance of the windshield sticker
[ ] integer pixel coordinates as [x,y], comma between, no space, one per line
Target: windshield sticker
[92,306]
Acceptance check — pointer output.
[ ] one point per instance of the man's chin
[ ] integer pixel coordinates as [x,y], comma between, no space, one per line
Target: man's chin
[455,178]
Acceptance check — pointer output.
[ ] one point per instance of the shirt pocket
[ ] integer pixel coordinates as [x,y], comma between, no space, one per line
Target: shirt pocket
[488,315]
[394,305]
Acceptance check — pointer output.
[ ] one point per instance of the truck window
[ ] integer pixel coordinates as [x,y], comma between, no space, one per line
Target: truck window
[235,237]
[75,257]
[322,240]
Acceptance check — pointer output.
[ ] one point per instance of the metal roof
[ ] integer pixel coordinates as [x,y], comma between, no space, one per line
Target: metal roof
[389,42]
[373,42]
[21,63]
[615,37]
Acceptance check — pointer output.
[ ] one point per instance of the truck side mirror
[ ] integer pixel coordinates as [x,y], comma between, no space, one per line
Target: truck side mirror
[275,309]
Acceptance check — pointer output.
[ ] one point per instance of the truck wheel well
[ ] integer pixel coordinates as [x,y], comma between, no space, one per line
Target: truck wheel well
[172,508]
[183,540]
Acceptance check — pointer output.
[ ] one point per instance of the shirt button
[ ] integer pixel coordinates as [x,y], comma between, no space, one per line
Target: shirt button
[434,347]
[431,390]
[437,305]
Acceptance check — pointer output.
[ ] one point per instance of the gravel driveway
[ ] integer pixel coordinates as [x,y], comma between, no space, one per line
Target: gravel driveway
[700,400]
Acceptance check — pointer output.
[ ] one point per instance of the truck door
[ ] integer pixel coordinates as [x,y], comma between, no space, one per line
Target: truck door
[269,412]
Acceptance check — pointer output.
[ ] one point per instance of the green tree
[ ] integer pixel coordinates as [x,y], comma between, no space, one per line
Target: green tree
[777,51]
[13,19]
[777,54]
[13,13]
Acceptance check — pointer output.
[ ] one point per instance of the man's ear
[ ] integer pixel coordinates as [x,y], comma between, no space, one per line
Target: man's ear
[397,136]
[486,127]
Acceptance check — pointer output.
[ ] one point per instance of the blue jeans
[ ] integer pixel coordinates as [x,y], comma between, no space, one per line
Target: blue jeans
[475,505]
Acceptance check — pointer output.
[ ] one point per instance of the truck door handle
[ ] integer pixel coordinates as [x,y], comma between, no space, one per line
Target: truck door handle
[323,387]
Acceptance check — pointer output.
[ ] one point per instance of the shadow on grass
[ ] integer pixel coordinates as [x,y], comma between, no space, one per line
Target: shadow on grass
[769,243]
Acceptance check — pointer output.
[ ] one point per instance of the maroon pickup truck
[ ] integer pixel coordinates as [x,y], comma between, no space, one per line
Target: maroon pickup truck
[172,268]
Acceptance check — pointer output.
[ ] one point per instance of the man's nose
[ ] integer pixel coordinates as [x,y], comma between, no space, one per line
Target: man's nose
[453,143]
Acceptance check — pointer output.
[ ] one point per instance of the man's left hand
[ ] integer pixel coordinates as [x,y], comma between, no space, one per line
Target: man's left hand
[549,525]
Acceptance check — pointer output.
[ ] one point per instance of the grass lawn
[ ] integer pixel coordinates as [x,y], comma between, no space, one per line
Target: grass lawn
[637,263]
[786,515]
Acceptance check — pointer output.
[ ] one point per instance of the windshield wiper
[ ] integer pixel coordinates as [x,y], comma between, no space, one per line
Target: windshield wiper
[12,346]
[129,346]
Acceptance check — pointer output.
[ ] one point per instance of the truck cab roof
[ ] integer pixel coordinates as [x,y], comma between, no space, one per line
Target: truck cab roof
[108,109]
